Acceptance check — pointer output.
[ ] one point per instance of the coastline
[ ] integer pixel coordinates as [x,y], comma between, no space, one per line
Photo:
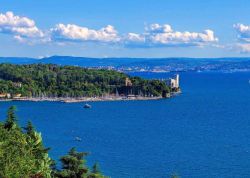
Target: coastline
[88,99]
[77,100]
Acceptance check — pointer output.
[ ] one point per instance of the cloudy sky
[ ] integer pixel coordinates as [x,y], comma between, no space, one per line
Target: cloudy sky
[132,28]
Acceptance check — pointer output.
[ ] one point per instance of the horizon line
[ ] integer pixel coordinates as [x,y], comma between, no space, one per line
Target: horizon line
[46,57]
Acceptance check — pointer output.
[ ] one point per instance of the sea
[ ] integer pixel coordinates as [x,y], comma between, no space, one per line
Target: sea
[202,133]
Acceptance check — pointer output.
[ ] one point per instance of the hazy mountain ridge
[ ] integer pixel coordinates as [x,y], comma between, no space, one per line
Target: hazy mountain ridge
[143,64]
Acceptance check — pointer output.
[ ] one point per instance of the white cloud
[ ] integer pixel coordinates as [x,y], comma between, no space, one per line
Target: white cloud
[154,36]
[242,47]
[137,38]
[73,32]
[22,28]
[157,28]
[243,32]
[163,35]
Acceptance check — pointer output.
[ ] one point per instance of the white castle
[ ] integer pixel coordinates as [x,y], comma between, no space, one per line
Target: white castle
[174,82]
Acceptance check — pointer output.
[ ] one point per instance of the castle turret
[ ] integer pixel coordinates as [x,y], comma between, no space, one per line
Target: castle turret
[177,81]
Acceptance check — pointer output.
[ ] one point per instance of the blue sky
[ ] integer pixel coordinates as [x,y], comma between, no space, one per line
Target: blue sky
[132,28]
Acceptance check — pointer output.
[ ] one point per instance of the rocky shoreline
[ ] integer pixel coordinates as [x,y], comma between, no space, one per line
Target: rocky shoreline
[82,99]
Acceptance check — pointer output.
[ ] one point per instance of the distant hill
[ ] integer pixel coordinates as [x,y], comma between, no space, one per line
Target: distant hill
[142,64]
[69,60]
[88,62]
[17,60]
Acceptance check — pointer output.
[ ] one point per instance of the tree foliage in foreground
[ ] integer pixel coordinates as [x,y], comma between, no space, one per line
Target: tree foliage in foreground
[23,155]
[73,165]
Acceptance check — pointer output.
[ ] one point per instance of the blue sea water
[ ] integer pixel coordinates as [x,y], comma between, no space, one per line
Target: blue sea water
[203,133]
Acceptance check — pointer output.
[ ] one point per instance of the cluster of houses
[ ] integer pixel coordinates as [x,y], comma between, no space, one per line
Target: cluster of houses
[9,96]
[12,96]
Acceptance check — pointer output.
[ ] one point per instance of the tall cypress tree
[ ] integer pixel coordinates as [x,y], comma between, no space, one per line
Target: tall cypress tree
[73,165]
[29,128]
[96,172]
[34,140]
[96,169]
[11,118]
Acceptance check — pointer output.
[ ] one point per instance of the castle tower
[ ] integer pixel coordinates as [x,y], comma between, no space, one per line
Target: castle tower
[177,81]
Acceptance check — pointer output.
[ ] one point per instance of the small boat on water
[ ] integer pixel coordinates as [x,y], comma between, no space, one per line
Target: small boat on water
[78,139]
[87,106]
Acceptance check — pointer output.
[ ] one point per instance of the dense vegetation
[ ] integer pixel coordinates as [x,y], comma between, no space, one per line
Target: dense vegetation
[40,80]
[23,155]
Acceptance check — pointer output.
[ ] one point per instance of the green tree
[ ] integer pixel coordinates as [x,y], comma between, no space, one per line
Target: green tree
[20,155]
[34,140]
[96,172]
[11,118]
[73,165]
[96,169]
[29,128]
